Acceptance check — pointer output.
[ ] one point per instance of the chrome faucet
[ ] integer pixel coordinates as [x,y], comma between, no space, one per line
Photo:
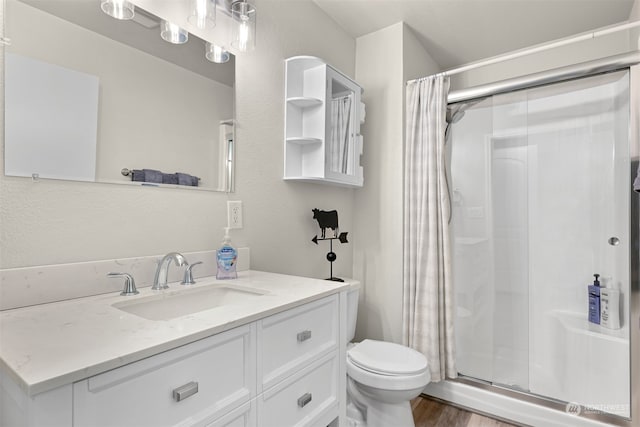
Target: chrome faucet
[160,281]
[188,274]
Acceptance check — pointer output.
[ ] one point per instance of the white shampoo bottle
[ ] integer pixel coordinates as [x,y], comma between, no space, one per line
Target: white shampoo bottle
[610,308]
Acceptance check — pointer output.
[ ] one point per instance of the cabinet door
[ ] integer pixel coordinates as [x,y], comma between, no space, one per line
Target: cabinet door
[244,416]
[308,398]
[343,145]
[292,339]
[190,385]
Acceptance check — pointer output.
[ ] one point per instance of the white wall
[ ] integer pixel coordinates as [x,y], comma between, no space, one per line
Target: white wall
[278,218]
[635,97]
[385,59]
[609,45]
[634,15]
[58,222]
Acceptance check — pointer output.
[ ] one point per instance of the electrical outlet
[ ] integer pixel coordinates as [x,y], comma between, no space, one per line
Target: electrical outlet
[234,214]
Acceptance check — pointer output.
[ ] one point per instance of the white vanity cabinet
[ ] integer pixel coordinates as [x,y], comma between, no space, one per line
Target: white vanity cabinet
[298,365]
[287,369]
[190,385]
[323,113]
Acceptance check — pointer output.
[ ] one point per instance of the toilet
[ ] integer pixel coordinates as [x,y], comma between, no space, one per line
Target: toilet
[382,377]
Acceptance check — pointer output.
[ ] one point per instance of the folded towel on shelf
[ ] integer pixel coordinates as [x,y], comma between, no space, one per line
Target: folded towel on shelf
[137,175]
[152,175]
[158,177]
[186,179]
[170,178]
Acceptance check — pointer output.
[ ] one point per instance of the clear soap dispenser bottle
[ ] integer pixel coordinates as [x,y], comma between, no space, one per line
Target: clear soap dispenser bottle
[227,258]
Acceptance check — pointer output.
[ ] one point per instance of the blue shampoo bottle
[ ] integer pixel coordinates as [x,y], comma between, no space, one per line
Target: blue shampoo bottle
[594,301]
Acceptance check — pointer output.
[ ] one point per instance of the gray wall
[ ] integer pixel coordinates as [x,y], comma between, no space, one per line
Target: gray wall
[385,59]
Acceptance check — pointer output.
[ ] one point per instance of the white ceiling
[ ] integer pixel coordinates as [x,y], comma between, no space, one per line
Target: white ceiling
[456,32]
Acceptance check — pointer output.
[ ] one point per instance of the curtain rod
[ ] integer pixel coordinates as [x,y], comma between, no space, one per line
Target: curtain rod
[583,69]
[540,48]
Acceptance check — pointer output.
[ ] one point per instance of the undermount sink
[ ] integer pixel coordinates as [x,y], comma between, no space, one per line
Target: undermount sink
[172,304]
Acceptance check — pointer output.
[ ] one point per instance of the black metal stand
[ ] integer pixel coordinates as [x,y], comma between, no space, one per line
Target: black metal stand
[331,256]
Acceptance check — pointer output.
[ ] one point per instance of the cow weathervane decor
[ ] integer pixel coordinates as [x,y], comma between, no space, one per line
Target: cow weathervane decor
[329,220]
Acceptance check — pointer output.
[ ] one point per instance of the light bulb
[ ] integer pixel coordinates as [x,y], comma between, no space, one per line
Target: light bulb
[203,13]
[243,35]
[244,28]
[216,53]
[119,9]
[172,33]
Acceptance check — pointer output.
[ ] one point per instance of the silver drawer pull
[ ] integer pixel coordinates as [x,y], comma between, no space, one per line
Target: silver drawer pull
[185,391]
[304,335]
[304,399]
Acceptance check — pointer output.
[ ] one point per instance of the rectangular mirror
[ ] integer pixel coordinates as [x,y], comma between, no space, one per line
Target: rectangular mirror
[92,98]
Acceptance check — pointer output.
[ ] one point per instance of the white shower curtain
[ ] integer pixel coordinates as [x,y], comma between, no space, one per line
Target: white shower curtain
[341,141]
[428,306]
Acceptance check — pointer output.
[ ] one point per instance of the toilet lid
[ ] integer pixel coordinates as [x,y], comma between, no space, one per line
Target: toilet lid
[387,358]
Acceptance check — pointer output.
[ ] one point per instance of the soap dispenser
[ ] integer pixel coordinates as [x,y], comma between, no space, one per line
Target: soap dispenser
[226,257]
[594,301]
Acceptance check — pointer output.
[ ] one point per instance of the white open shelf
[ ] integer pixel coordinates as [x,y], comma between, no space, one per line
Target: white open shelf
[304,140]
[311,86]
[304,101]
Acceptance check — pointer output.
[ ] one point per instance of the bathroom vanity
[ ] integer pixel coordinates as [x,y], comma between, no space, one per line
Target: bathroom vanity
[269,353]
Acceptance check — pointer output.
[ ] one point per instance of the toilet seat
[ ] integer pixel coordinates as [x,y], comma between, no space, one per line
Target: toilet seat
[387,366]
[386,358]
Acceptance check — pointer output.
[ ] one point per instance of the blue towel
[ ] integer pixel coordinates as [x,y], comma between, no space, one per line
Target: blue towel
[186,179]
[137,175]
[169,178]
[152,175]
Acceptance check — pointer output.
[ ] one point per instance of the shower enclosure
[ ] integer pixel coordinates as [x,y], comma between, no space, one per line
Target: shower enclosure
[540,191]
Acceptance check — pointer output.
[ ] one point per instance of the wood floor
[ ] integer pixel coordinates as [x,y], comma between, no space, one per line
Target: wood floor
[432,413]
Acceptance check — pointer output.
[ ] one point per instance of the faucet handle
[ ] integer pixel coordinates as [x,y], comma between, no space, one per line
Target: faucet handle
[188,276]
[129,283]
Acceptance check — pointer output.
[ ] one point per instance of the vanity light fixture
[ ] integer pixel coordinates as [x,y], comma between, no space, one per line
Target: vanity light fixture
[203,14]
[119,9]
[244,25]
[171,33]
[216,53]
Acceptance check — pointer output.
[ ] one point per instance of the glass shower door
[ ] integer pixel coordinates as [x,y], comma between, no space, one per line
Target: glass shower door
[490,183]
[540,185]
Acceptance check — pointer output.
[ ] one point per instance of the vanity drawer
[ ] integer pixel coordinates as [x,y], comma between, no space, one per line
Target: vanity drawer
[190,385]
[305,399]
[244,416]
[290,340]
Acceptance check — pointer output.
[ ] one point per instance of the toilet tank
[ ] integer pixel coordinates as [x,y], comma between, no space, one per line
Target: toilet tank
[352,310]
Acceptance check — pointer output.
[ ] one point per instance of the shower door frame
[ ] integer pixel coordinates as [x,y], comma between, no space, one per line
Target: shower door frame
[630,61]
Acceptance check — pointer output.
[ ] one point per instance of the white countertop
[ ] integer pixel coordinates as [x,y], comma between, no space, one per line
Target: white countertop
[46,346]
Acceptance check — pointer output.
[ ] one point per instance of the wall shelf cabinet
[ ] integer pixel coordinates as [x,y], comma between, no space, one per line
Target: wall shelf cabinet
[323,113]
